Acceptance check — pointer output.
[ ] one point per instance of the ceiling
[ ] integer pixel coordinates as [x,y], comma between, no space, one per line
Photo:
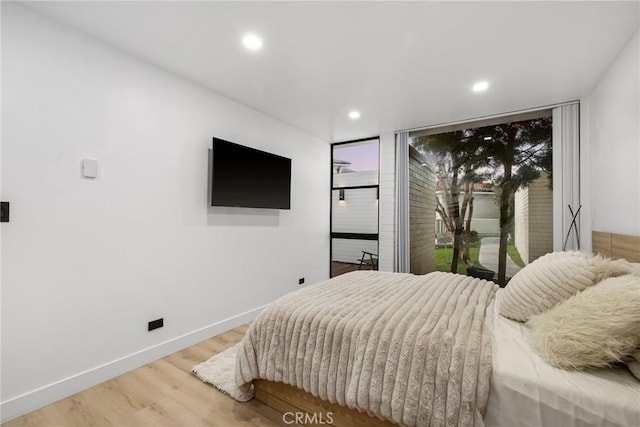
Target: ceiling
[401,64]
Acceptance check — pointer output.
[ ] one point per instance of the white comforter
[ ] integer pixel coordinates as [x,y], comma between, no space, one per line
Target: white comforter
[528,392]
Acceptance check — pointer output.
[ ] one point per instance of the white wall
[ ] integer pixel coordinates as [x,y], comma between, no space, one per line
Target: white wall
[87,263]
[613,111]
[387,206]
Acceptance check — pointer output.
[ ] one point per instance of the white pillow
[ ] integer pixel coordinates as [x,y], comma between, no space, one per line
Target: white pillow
[634,267]
[552,279]
[593,328]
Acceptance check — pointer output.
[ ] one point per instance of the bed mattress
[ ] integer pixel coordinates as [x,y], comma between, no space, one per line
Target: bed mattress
[528,392]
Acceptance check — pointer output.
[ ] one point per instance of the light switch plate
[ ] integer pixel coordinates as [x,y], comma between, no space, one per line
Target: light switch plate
[89,168]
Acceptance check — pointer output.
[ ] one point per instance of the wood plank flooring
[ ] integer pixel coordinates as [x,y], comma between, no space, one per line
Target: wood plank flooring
[338,268]
[162,393]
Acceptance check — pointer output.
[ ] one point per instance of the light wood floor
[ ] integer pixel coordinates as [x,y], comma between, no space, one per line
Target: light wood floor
[162,393]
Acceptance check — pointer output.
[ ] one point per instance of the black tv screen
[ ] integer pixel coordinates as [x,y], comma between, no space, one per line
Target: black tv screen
[249,178]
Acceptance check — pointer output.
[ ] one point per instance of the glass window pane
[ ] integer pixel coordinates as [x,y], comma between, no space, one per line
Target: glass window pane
[493,197]
[354,206]
[354,210]
[347,255]
[355,164]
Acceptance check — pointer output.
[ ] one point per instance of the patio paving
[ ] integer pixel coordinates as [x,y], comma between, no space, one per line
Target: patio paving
[488,256]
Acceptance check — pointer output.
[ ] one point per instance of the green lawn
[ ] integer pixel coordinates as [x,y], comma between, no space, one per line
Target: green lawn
[444,255]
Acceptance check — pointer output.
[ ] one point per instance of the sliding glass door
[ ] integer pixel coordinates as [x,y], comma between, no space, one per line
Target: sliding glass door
[354,206]
[480,196]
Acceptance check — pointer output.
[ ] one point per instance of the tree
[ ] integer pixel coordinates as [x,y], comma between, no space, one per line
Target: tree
[512,154]
[455,155]
[517,152]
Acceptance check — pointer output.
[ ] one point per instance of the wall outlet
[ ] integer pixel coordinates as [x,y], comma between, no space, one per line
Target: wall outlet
[4,211]
[301,281]
[155,324]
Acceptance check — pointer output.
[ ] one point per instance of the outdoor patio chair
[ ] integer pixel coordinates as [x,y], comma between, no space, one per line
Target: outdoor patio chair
[368,258]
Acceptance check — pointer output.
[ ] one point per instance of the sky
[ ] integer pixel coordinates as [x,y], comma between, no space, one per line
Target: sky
[363,157]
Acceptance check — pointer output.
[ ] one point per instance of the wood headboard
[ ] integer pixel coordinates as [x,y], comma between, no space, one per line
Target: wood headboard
[616,245]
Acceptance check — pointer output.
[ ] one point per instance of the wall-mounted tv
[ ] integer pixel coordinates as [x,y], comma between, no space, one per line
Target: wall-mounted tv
[249,178]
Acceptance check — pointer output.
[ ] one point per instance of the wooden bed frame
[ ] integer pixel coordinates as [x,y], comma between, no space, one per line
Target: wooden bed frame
[291,400]
[616,245]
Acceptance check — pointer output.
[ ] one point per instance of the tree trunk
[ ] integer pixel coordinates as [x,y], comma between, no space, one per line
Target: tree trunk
[466,211]
[466,257]
[443,214]
[454,214]
[505,196]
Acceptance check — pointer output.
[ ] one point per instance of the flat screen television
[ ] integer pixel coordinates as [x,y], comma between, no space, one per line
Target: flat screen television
[249,178]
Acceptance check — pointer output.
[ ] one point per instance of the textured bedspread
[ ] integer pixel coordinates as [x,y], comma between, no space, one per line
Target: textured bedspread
[412,349]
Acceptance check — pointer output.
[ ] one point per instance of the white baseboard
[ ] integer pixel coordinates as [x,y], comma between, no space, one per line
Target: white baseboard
[35,399]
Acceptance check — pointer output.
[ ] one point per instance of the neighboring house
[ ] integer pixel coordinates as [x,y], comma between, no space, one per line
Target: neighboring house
[486,214]
[533,219]
[341,166]
[422,214]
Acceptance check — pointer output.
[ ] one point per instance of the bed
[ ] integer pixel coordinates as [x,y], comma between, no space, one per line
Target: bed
[523,390]
[526,391]
[413,349]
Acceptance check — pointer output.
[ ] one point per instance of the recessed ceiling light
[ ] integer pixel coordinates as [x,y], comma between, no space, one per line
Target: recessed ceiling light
[252,42]
[354,114]
[487,138]
[480,86]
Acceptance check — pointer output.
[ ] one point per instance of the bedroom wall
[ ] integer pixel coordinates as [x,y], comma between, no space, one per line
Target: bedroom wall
[87,263]
[612,110]
[387,209]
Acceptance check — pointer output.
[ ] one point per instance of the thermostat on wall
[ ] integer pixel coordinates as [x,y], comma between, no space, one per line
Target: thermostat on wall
[89,168]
